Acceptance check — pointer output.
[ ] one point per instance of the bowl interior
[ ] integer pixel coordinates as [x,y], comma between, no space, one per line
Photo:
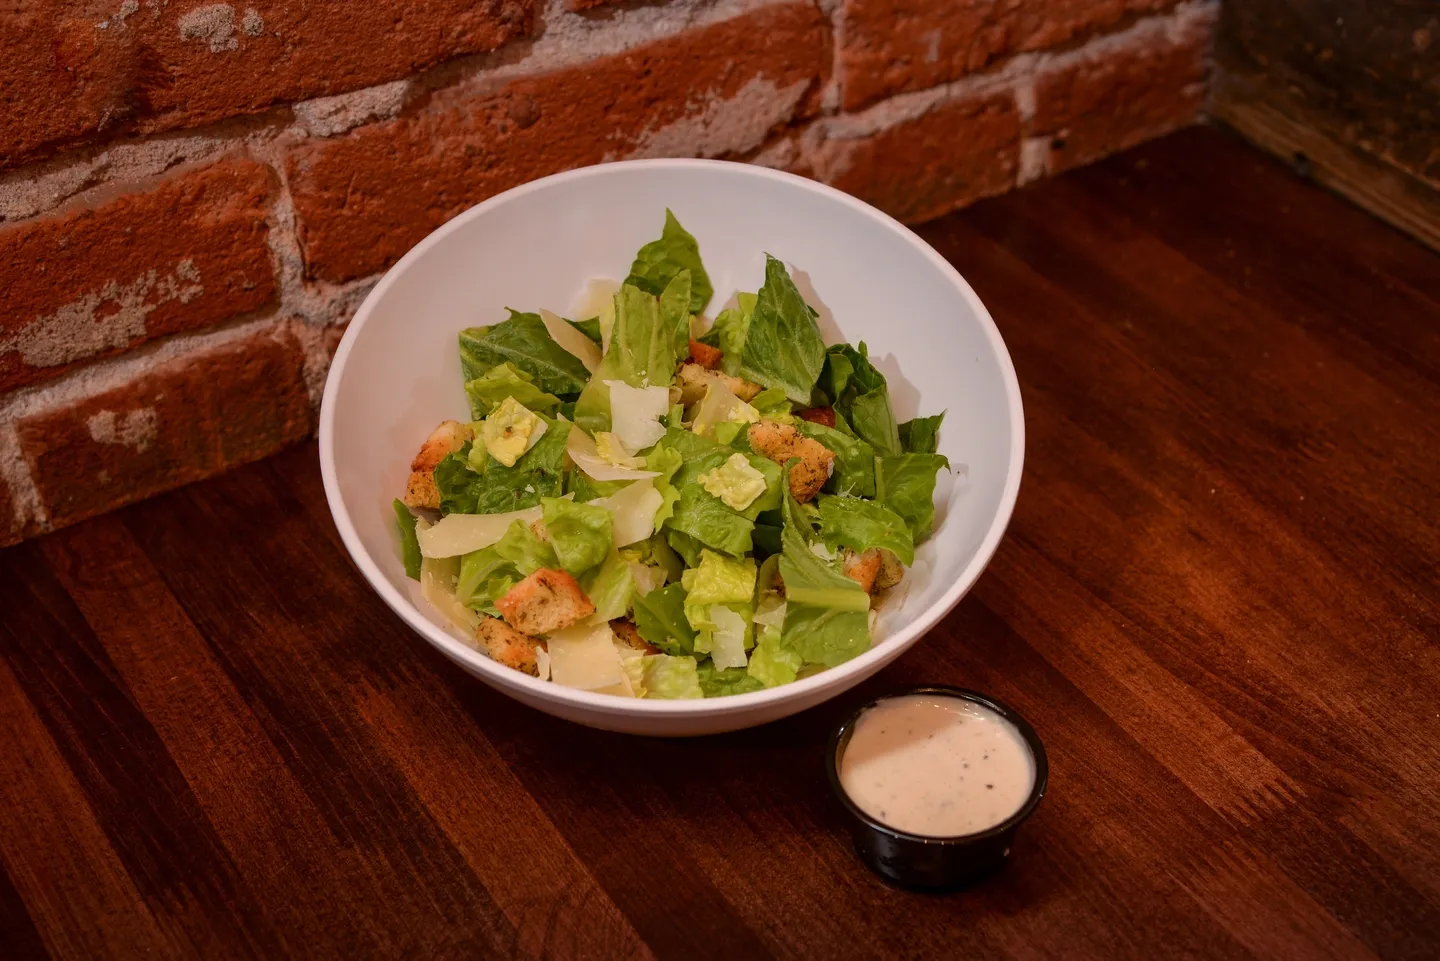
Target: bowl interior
[397,374]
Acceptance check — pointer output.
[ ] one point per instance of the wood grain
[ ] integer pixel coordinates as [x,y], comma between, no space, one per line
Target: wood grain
[1218,603]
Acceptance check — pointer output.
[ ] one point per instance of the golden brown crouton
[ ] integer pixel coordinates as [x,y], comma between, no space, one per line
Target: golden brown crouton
[694,380]
[892,572]
[446,439]
[507,645]
[545,601]
[863,567]
[704,355]
[627,633]
[781,442]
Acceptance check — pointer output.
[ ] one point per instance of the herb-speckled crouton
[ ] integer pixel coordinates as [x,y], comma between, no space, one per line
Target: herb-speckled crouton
[629,635]
[508,646]
[863,568]
[781,442]
[544,602]
[704,355]
[892,572]
[446,439]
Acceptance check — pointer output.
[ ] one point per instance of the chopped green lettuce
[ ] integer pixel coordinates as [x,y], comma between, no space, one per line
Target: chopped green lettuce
[862,524]
[498,489]
[610,587]
[586,488]
[773,662]
[921,435]
[523,549]
[506,380]
[718,580]
[485,576]
[906,485]
[671,677]
[523,341]
[783,346]
[579,533]
[730,331]
[590,328]
[409,542]
[658,263]
[723,683]
[860,395]
[660,619]
[643,353]
[666,461]
[827,615]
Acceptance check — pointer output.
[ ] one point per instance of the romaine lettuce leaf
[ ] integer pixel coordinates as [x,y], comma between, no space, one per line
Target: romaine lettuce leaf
[783,347]
[906,485]
[523,549]
[722,683]
[827,615]
[657,263]
[666,461]
[409,541]
[579,533]
[660,619]
[684,545]
[773,662]
[718,580]
[729,333]
[610,587]
[523,341]
[670,678]
[854,459]
[705,518]
[643,353]
[507,380]
[484,576]
[860,395]
[589,327]
[585,488]
[861,524]
[921,435]
[497,489]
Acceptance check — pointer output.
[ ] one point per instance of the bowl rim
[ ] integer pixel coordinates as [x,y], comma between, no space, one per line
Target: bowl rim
[513,681]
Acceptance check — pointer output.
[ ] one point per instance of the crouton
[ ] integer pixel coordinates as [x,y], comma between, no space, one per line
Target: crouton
[704,355]
[694,380]
[824,416]
[508,646]
[544,602]
[892,572]
[446,439]
[781,442]
[629,635]
[862,568]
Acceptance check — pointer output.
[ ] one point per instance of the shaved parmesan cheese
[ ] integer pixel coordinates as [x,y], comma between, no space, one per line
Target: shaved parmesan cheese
[727,641]
[582,450]
[437,586]
[571,340]
[597,294]
[542,663]
[584,657]
[457,534]
[635,413]
[646,578]
[632,510]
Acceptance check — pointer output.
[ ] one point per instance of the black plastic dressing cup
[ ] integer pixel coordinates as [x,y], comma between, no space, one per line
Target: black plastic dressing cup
[918,861]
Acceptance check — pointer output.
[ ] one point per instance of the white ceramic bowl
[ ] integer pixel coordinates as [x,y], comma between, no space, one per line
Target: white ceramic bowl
[396,375]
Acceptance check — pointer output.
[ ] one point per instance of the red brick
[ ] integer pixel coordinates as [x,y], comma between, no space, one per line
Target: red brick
[896,45]
[364,199]
[956,152]
[63,78]
[183,255]
[179,422]
[1092,108]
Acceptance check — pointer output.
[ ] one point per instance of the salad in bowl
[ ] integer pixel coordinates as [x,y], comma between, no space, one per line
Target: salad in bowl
[649,504]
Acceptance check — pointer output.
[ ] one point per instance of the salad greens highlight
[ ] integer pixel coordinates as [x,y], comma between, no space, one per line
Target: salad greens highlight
[647,505]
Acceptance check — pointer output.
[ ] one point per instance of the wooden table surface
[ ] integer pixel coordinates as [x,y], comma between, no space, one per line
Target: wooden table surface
[1218,603]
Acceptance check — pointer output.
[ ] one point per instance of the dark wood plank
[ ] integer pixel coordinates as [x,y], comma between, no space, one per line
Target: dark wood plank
[1218,603]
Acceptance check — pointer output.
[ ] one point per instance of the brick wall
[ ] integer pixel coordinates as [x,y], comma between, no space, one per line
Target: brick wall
[195,197]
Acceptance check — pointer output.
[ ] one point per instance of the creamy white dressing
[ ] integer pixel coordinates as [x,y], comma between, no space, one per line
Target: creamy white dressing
[936,766]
